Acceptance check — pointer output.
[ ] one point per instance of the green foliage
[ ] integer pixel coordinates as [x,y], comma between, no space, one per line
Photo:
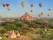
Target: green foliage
[10,27]
[40,39]
[50,36]
[0,24]
[42,26]
[25,30]
[33,25]
[4,38]
[38,31]
[45,23]
[26,26]
[37,22]
[51,25]
[3,31]
[26,22]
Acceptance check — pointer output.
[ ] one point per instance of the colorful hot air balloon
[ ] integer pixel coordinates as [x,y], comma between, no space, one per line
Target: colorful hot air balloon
[41,13]
[3,4]
[31,11]
[49,9]
[32,5]
[48,14]
[7,5]
[40,4]
[23,4]
[8,8]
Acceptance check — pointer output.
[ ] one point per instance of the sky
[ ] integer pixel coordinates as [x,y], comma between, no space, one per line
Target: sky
[16,9]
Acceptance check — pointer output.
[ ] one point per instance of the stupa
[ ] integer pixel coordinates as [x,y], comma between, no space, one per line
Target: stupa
[12,34]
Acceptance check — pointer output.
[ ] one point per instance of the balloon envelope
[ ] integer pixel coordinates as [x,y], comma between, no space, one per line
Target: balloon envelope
[7,5]
[23,4]
[8,8]
[3,4]
[31,11]
[41,13]
[40,4]
[48,14]
[32,5]
[49,9]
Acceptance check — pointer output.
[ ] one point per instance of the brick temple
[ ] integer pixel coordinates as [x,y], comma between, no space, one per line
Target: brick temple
[27,17]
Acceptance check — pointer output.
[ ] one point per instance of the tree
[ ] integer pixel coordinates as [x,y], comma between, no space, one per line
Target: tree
[46,25]
[37,22]
[33,25]
[3,31]
[21,24]
[46,28]
[10,27]
[50,25]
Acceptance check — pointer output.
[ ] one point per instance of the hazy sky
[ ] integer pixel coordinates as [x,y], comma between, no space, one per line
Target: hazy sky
[17,10]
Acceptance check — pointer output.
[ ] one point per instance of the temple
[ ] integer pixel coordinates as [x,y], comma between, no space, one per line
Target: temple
[26,16]
[12,34]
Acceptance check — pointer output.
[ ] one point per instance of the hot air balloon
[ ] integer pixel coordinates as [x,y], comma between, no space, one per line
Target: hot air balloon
[8,8]
[31,11]
[32,5]
[48,14]
[41,13]
[3,4]
[40,4]
[23,4]
[49,9]
[7,5]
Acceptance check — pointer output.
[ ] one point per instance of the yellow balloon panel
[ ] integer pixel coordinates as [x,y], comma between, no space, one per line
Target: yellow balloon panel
[23,4]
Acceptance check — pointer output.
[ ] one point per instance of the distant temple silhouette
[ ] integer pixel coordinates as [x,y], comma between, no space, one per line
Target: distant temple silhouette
[26,16]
